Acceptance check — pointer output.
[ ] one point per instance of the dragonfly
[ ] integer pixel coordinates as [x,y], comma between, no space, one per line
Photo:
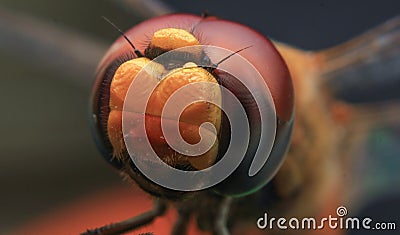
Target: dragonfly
[320,80]
[313,75]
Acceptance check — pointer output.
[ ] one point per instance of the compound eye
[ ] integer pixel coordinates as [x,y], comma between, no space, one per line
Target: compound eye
[241,109]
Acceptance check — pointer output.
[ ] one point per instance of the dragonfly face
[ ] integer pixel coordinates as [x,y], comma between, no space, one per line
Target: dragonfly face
[159,36]
[324,123]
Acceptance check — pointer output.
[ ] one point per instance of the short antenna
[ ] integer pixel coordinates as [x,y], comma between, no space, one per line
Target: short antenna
[214,66]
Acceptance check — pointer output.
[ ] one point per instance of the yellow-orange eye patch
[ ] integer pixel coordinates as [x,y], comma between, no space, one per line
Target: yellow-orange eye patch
[189,121]
[173,38]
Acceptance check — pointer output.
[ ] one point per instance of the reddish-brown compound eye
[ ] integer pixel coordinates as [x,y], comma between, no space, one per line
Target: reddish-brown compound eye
[158,38]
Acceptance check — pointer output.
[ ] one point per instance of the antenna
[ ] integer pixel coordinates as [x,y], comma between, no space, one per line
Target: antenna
[137,52]
[214,66]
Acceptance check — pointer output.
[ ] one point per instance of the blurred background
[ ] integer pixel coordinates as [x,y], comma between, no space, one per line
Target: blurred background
[48,54]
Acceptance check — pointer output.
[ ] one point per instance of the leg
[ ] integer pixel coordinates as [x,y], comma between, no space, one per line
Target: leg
[180,226]
[222,217]
[132,223]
